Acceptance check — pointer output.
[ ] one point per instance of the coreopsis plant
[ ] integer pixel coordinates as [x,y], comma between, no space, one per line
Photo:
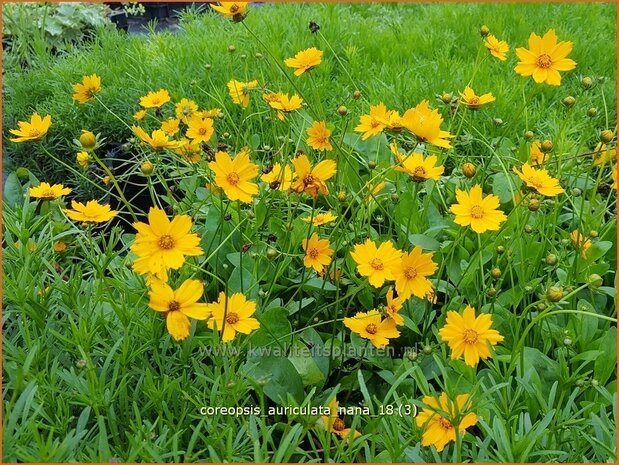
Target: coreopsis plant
[234,175]
[474,101]
[545,58]
[318,252]
[374,122]
[155,99]
[90,212]
[332,423]
[87,90]
[312,180]
[232,315]
[319,136]
[539,180]
[378,264]
[479,212]
[233,10]
[239,91]
[497,48]
[158,139]
[411,274]
[393,307]
[305,60]
[417,166]
[45,191]
[32,130]
[370,325]
[425,124]
[278,178]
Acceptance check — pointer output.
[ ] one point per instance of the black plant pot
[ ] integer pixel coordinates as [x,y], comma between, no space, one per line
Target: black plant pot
[119,18]
[156,10]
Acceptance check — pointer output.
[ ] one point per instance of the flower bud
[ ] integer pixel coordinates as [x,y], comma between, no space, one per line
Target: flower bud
[243,56]
[569,101]
[591,112]
[576,192]
[500,249]
[356,94]
[208,67]
[528,229]
[446,98]
[484,30]
[395,198]
[342,110]
[231,48]
[547,146]
[529,135]
[606,136]
[491,292]
[147,168]
[498,121]
[427,349]
[567,342]
[595,280]
[554,294]
[580,382]
[22,172]
[88,140]
[81,363]
[495,273]
[469,170]
[272,253]
[341,196]
[371,164]
[586,82]
[533,205]
[258,55]
[551,259]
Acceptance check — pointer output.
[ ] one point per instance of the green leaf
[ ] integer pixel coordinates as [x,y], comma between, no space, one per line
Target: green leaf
[302,360]
[13,191]
[281,378]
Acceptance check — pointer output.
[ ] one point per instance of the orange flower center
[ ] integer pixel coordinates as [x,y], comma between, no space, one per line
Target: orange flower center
[202,131]
[477,212]
[470,336]
[48,194]
[308,179]
[410,272]
[377,264]
[34,132]
[474,101]
[314,253]
[234,8]
[536,181]
[371,328]
[173,306]
[544,61]
[445,424]
[232,318]
[419,172]
[233,178]
[338,424]
[166,242]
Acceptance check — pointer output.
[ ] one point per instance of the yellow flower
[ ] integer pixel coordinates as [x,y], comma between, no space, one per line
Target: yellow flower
[162,244]
[317,252]
[374,190]
[425,124]
[158,140]
[236,312]
[320,219]
[536,155]
[473,101]
[305,60]
[185,109]
[212,113]
[60,246]
[234,10]
[239,91]
[88,140]
[178,305]
[139,115]
[377,263]
[334,424]
[497,48]
[190,150]
[284,104]
[469,335]
[603,154]
[415,165]
[440,420]
[234,176]
[393,121]
[393,307]
[33,130]
[46,191]
[370,325]
[545,58]
[411,274]
[373,123]
[319,136]
[312,180]
[155,99]
[199,129]
[614,177]
[83,158]
[86,91]
[539,180]
[278,178]
[170,126]
[581,242]
[479,212]
[92,212]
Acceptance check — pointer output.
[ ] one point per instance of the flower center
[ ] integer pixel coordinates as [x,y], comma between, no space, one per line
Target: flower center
[544,61]
[234,8]
[232,318]
[477,211]
[338,424]
[474,101]
[410,272]
[233,178]
[202,131]
[173,306]
[419,172]
[377,264]
[308,179]
[187,111]
[34,132]
[535,181]
[470,336]
[445,424]
[374,124]
[48,194]
[314,253]
[371,328]
[166,242]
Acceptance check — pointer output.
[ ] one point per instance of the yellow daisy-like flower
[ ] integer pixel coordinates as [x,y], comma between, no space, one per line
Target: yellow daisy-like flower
[185,108]
[232,315]
[373,123]
[497,48]
[158,139]
[536,155]
[417,166]
[376,263]
[233,10]
[88,140]
[393,307]
[539,180]
[479,212]
[581,242]
[312,180]
[319,136]
[162,244]
[83,159]
[544,58]
[370,325]
[469,335]
[46,191]
[139,115]
[199,129]
[155,99]
[284,104]
[234,176]
[178,305]
[320,219]
[191,150]
[604,154]
[411,274]
[425,124]
[278,178]
[33,130]
[334,424]
[393,122]
[170,126]
[212,113]
[473,101]
[317,252]
[305,60]
[239,91]
[91,212]
[86,90]
[441,419]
